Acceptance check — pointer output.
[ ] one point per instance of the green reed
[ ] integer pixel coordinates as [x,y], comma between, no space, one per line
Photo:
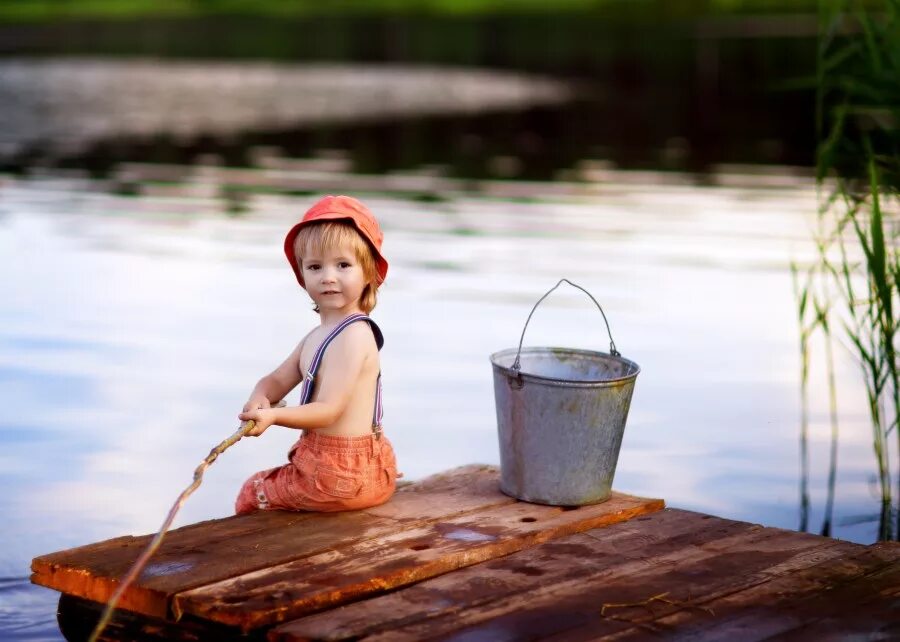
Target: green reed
[813,313]
[805,331]
[853,284]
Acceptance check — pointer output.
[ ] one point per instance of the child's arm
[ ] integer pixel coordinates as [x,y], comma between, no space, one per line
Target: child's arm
[275,385]
[335,382]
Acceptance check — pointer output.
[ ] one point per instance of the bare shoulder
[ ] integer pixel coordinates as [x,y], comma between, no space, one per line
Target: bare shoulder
[353,348]
[358,336]
[307,339]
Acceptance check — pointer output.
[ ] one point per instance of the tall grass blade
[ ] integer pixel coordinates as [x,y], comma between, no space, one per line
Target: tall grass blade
[858,128]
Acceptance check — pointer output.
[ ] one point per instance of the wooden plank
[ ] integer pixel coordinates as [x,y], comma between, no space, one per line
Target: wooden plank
[454,492]
[682,577]
[78,617]
[868,607]
[854,595]
[497,579]
[197,558]
[211,551]
[636,543]
[313,583]
[554,602]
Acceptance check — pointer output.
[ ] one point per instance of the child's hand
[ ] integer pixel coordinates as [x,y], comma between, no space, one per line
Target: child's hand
[255,402]
[262,417]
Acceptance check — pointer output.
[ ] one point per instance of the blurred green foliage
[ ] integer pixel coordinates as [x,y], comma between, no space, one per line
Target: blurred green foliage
[857,298]
[39,10]
[858,94]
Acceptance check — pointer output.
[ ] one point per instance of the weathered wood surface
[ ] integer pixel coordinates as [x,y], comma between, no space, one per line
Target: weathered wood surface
[672,574]
[452,558]
[442,523]
[211,551]
[411,554]
[78,617]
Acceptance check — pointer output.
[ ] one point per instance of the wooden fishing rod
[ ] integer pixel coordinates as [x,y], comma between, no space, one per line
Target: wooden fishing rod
[154,544]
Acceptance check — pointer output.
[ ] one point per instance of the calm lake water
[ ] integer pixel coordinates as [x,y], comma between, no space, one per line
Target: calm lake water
[133,328]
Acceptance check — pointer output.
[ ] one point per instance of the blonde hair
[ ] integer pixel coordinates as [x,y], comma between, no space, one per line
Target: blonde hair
[330,235]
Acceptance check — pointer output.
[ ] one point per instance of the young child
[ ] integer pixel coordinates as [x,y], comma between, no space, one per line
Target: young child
[342,460]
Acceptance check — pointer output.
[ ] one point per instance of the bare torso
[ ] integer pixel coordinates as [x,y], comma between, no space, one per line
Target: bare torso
[358,416]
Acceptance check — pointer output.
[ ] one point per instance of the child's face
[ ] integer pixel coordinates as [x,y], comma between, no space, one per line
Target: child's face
[334,278]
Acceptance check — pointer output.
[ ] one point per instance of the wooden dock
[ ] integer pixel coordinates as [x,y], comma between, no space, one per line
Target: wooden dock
[450,557]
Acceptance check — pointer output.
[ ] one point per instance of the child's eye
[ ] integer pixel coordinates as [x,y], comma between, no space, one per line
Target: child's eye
[344,264]
[312,266]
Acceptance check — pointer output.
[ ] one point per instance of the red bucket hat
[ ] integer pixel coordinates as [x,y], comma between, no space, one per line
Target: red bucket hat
[339,208]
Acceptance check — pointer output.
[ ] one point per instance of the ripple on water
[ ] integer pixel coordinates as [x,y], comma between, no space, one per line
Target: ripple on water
[27,612]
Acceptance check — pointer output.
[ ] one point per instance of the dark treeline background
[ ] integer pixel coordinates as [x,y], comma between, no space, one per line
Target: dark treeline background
[662,85]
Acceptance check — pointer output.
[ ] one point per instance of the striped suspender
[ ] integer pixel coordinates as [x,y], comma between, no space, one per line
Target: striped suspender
[376,418]
[309,381]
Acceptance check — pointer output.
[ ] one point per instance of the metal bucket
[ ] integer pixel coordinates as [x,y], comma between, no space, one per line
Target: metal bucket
[560,419]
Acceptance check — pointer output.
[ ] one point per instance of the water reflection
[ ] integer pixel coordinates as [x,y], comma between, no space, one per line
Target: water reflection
[63,106]
[92,113]
[133,326]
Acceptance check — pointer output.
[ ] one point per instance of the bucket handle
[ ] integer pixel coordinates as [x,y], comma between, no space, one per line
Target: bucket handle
[612,345]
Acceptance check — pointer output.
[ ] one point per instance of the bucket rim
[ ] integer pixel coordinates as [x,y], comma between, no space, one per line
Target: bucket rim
[509,372]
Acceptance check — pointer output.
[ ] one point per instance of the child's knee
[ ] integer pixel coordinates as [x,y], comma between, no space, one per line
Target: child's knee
[242,507]
[252,496]
[244,503]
